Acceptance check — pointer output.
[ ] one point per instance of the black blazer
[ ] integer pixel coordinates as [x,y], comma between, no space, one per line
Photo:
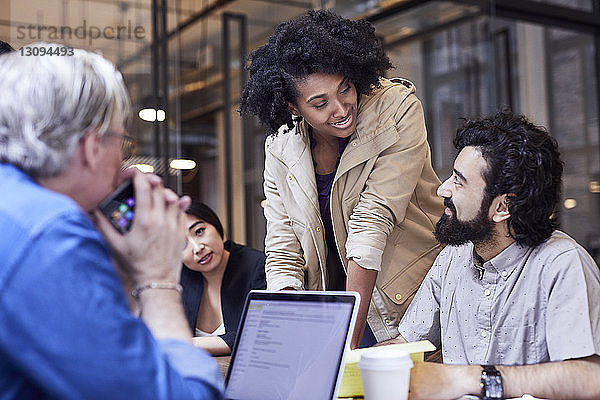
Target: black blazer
[245,271]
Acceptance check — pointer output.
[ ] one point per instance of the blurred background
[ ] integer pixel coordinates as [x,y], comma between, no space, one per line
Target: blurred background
[182,61]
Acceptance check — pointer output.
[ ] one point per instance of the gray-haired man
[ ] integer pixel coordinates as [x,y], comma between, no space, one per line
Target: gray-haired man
[513,302]
[67,332]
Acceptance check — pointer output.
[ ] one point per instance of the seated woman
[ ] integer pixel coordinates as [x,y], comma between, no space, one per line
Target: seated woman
[216,277]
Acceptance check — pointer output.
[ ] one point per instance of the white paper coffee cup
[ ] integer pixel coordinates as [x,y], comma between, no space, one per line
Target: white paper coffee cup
[385,374]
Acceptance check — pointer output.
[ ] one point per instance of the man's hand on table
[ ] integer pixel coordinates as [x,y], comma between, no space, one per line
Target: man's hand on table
[438,381]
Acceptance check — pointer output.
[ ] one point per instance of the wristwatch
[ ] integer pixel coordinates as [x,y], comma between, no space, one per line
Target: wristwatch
[491,383]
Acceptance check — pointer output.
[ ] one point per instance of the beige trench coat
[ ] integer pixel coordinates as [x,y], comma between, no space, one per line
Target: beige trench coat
[383,205]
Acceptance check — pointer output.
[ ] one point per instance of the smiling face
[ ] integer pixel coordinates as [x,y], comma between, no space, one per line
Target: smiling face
[204,251]
[467,213]
[328,103]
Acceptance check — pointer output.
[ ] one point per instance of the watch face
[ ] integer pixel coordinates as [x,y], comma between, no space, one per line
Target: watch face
[491,383]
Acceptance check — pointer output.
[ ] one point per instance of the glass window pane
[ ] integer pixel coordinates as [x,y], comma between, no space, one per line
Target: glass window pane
[584,5]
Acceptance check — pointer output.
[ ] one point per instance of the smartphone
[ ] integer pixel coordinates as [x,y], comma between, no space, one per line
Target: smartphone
[119,207]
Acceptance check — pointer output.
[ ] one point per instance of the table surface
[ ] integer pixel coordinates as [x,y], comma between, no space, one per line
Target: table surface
[223,362]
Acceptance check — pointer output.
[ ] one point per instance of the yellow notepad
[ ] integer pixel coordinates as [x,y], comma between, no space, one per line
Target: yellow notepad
[351,385]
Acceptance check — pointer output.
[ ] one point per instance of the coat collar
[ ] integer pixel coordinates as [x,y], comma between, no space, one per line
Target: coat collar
[292,148]
[375,131]
[376,113]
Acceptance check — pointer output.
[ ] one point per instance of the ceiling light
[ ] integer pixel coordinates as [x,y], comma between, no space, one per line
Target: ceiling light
[179,163]
[148,114]
[145,168]
[570,203]
[151,114]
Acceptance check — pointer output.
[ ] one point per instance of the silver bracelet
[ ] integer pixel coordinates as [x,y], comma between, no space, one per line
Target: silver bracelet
[155,285]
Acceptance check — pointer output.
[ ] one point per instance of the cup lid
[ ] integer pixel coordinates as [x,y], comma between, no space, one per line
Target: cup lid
[382,358]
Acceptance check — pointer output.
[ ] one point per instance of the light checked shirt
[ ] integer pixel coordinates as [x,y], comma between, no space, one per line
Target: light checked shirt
[531,305]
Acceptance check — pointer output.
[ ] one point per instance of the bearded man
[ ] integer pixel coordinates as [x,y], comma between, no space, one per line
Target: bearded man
[513,302]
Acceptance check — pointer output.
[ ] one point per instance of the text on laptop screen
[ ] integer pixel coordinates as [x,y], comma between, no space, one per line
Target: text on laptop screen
[289,350]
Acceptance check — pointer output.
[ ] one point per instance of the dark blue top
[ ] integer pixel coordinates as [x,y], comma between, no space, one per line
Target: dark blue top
[324,184]
[245,271]
[66,329]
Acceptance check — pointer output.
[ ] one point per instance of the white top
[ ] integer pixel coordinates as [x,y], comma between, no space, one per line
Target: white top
[219,331]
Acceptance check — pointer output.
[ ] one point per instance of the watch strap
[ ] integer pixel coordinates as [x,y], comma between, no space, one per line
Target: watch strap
[491,383]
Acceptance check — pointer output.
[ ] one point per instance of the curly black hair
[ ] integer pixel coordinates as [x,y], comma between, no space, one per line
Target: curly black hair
[524,163]
[316,42]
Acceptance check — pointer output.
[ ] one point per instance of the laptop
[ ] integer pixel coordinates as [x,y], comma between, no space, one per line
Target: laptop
[291,345]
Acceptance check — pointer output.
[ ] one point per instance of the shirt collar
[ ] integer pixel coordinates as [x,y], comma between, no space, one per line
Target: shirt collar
[508,259]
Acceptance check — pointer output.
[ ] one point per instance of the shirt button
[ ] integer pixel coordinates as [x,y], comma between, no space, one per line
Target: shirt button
[398,296]
[353,144]
[318,229]
[484,334]
[387,321]
[504,274]
[487,292]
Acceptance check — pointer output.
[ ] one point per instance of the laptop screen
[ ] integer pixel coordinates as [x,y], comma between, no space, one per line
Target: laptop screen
[290,345]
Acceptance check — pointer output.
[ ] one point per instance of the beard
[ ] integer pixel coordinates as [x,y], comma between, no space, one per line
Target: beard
[449,230]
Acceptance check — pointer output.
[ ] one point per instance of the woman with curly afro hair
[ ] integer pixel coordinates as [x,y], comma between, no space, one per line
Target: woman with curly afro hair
[350,191]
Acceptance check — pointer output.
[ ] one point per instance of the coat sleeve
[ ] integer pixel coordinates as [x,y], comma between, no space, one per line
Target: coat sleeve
[285,262]
[392,181]
[258,279]
[229,337]
[250,275]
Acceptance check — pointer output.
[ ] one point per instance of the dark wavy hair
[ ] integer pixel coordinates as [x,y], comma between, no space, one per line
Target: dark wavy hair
[316,42]
[205,213]
[524,163]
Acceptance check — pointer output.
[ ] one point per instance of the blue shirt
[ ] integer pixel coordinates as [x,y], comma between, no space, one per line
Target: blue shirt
[67,332]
